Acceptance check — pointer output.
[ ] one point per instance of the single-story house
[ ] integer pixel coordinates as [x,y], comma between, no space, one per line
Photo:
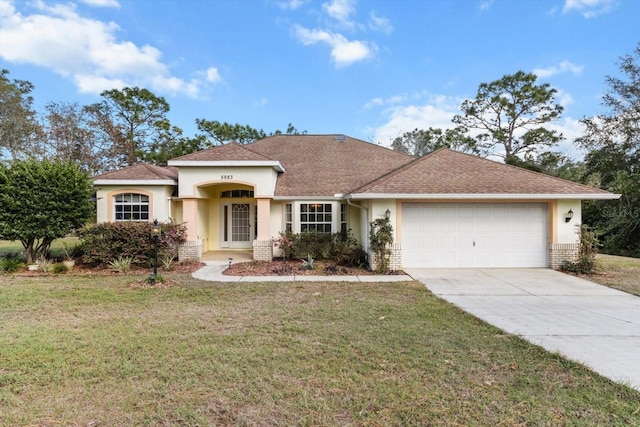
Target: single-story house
[447,209]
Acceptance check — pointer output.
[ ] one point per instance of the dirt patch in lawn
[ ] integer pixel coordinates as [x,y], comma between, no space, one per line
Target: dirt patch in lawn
[279,267]
[617,272]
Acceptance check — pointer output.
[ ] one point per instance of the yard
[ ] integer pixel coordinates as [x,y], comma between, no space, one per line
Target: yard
[78,350]
[617,272]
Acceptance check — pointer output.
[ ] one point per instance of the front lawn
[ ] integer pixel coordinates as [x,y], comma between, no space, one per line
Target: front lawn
[617,272]
[81,350]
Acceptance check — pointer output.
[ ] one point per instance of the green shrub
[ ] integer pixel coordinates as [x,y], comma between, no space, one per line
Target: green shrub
[307,264]
[340,248]
[104,242]
[121,264]
[586,262]
[59,268]
[312,243]
[11,264]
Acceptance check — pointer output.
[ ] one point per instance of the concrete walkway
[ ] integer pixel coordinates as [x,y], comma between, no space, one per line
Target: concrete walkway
[586,322]
[212,272]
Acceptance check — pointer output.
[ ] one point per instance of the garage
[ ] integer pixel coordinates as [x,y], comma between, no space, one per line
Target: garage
[474,235]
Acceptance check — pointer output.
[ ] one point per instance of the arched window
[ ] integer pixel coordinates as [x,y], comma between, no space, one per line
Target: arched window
[131,207]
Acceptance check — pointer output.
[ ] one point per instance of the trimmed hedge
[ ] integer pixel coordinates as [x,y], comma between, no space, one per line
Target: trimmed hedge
[102,243]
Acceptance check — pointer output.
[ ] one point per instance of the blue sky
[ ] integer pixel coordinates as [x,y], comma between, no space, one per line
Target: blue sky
[369,69]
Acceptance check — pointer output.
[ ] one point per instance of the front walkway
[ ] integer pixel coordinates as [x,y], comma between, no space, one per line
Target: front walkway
[586,322]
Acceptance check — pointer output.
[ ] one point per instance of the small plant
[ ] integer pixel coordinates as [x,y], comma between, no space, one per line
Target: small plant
[286,243]
[121,264]
[11,264]
[167,261]
[69,252]
[59,268]
[308,263]
[586,262]
[380,241]
[152,280]
[44,265]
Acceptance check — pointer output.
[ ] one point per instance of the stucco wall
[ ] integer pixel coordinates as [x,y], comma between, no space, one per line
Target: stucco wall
[192,179]
[159,201]
[567,232]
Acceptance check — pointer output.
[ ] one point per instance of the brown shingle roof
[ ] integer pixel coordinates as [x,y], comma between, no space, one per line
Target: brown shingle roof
[450,172]
[227,152]
[323,165]
[141,171]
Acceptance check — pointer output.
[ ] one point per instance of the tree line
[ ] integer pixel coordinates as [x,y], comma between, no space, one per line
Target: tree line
[508,118]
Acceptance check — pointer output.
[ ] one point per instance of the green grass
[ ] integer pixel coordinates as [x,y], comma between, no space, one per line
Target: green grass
[57,247]
[81,349]
[617,272]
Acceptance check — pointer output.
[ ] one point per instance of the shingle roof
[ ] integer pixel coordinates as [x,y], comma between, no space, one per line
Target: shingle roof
[229,152]
[323,165]
[141,171]
[451,172]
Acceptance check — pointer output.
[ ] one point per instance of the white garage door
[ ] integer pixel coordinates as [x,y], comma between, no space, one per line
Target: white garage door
[474,235]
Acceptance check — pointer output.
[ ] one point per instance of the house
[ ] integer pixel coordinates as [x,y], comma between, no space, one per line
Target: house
[447,209]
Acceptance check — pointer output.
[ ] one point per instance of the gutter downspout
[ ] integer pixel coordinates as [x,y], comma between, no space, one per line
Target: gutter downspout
[365,237]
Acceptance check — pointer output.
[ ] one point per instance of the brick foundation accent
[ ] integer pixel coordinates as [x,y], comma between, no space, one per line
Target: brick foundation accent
[395,261]
[561,252]
[190,250]
[262,250]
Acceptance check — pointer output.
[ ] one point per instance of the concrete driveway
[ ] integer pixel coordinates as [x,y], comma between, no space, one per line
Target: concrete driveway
[584,321]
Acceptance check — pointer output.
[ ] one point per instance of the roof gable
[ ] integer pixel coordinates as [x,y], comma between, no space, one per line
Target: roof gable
[445,171]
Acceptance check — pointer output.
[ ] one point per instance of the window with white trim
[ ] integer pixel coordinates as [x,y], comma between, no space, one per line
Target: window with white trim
[131,207]
[316,217]
[343,217]
[288,217]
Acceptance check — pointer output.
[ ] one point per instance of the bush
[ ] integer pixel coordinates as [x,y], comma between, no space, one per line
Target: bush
[340,248]
[586,262]
[11,264]
[104,242]
[59,268]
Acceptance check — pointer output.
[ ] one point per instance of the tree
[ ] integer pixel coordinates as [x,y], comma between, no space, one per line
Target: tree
[420,142]
[221,133]
[133,119]
[71,135]
[18,124]
[41,201]
[613,159]
[510,113]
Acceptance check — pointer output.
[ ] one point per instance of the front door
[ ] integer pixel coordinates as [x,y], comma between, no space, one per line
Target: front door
[237,225]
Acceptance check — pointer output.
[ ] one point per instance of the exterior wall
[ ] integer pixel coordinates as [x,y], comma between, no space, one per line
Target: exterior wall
[193,180]
[564,238]
[190,250]
[160,205]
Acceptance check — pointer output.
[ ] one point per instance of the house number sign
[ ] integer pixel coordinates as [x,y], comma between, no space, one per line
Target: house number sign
[226,177]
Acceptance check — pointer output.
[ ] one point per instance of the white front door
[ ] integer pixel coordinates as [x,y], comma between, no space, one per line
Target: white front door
[237,224]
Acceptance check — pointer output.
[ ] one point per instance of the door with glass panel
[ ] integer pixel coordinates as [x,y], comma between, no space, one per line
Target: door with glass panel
[237,225]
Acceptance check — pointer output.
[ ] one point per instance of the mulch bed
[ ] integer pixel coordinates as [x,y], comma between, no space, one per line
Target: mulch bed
[280,267]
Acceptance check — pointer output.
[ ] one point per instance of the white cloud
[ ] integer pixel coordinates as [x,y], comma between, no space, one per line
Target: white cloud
[563,67]
[291,4]
[588,8]
[102,3]
[380,24]
[341,11]
[485,4]
[87,51]
[436,112]
[344,52]
[213,75]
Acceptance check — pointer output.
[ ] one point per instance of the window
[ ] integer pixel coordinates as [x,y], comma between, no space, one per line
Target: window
[131,207]
[343,218]
[288,217]
[236,194]
[315,217]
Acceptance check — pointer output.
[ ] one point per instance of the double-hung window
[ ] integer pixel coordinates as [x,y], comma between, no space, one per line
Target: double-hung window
[131,207]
